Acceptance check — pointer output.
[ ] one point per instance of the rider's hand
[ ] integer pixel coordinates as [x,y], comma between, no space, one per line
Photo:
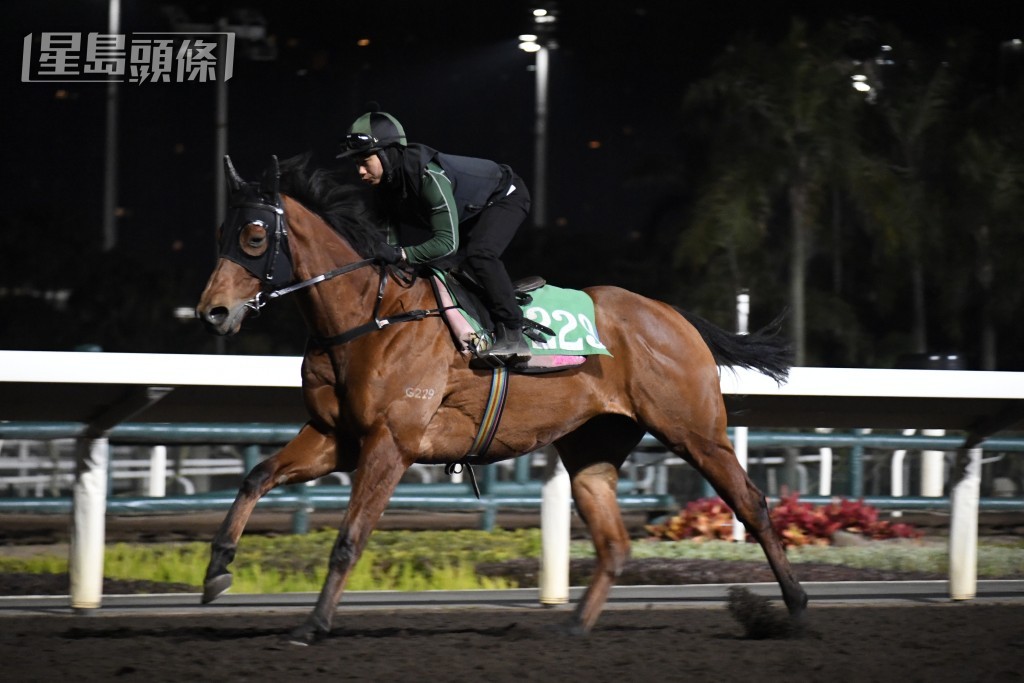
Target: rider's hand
[388,253]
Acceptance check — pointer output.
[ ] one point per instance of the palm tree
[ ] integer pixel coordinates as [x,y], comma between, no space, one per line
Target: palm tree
[781,127]
[991,187]
[901,190]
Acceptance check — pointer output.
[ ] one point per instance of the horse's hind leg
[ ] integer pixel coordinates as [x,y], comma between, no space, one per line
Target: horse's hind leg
[716,460]
[309,455]
[593,456]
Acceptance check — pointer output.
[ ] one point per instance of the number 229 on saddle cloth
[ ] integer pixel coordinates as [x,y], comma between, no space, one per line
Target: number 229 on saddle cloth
[570,314]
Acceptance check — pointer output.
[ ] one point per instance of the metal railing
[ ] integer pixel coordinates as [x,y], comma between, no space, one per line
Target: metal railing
[642,489]
[521,492]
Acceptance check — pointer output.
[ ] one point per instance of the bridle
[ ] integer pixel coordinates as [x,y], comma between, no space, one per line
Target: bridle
[261,204]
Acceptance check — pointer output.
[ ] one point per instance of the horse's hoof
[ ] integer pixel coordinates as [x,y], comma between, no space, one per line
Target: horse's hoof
[216,587]
[759,618]
[567,629]
[304,635]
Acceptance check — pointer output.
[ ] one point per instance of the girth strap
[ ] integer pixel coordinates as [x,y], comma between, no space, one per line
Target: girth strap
[488,427]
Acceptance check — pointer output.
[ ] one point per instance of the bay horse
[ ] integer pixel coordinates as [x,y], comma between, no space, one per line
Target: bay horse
[301,233]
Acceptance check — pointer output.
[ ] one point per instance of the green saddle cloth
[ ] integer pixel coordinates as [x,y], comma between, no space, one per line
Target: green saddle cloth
[570,314]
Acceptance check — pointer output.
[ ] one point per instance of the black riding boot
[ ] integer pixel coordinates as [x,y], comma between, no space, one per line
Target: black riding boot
[509,343]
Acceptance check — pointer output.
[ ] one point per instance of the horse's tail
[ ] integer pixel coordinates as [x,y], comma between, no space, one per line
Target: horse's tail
[764,350]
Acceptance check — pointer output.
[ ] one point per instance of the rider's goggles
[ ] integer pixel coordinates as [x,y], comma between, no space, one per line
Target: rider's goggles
[361,142]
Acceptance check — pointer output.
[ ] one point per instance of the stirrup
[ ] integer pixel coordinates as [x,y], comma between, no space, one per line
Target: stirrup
[524,354]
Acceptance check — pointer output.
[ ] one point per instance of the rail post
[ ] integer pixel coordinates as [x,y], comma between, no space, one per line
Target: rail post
[89,499]
[300,518]
[88,528]
[933,467]
[824,465]
[963,526]
[157,486]
[490,515]
[740,442]
[857,468]
[251,456]
[555,525]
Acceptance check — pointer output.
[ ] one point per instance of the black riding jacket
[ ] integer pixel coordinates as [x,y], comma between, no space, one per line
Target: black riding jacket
[427,189]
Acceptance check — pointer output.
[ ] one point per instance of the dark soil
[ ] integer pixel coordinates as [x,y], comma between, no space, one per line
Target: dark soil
[932,643]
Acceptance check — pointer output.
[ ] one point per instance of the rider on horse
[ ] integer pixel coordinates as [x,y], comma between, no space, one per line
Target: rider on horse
[471,207]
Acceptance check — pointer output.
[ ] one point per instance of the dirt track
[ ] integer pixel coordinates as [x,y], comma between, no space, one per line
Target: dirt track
[933,642]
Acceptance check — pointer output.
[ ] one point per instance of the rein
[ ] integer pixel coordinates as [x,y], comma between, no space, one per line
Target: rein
[261,300]
[376,323]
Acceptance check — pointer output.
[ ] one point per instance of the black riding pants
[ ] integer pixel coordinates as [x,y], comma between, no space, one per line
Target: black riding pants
[485,238]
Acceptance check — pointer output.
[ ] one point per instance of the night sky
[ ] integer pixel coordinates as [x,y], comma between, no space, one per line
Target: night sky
[450,71]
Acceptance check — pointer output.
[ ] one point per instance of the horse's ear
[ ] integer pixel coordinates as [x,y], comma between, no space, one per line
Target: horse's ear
[235,182]
[271,182]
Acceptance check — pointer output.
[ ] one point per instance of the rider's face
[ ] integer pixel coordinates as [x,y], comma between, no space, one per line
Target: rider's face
[370,170]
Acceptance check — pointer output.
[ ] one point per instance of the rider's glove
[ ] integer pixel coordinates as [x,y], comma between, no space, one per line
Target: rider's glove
[388,253]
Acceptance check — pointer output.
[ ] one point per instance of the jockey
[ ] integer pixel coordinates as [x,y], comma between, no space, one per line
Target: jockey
[471,207]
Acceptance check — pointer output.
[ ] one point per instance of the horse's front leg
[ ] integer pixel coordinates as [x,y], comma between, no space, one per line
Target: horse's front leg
[309,455]
[381,467]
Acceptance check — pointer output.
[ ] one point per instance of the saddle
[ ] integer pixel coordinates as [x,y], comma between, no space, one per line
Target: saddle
[460,300]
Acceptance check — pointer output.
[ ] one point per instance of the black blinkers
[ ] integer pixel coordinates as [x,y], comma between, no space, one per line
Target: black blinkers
[257,205]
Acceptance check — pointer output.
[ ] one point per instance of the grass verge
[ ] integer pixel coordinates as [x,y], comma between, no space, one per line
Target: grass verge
[446,560]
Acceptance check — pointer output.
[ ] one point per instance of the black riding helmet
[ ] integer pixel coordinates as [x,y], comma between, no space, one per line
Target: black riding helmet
[373,132]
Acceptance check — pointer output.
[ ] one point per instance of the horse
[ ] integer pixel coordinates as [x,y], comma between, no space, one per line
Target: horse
[382,397]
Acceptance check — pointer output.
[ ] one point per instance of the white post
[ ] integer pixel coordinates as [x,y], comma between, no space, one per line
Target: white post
[963,528]
[896,475]
[740,441]
[158,472]
[933,467]
[555,523]
[743,312]
[88,523]
[824,466]
[897,489]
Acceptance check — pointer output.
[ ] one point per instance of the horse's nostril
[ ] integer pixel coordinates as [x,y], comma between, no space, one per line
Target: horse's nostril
[216,315]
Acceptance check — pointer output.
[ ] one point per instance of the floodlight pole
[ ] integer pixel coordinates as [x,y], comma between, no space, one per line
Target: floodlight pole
[220,133]
[110,181]
[540,149]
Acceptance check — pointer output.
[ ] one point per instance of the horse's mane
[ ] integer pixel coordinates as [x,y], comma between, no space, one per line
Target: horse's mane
[342,204]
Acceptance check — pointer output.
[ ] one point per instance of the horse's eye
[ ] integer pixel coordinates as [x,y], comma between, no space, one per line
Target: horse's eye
[253,239]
